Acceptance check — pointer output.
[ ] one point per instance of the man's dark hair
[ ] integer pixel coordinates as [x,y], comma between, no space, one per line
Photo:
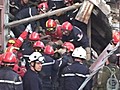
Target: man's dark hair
[113,58]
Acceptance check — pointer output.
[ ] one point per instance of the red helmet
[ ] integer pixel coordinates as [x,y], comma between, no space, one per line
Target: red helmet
[51,23]
[59,31]
[116,36]
[49,50]
[11,42]
[34,36]
[67,26]
[43,6]
[69,46]
[39,44]
[9,57]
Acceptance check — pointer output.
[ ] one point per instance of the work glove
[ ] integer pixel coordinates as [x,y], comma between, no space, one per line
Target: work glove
[29,28]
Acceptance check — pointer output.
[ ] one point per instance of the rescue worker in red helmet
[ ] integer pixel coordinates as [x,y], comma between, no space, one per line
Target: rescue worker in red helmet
[9,79]
[11,42]
[47,70]
[39,46]
[54,30]
[43,7]
[29,12]
[49,50]
[64,59]
[75,35]
[14,46]
[17,42]
[34,36]
[27,47]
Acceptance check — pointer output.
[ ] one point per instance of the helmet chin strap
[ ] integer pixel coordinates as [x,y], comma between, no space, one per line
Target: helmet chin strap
[34,67]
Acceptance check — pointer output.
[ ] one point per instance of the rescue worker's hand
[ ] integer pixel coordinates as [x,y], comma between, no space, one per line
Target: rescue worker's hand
[29,28]
[59,42]
[61,51]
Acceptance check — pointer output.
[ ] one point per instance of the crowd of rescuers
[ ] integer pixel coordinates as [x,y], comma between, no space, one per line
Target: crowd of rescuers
[47,54]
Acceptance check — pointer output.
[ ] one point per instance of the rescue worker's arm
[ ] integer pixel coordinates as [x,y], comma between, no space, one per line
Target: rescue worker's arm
[23,36]
[18,83]
[88,53]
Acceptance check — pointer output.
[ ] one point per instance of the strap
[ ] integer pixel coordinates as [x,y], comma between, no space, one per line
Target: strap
[49,63]
[112,72]
[10,82]
[76,74]
[30,12]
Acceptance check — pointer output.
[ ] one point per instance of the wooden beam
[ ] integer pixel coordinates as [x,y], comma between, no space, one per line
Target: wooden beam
[36,17]
[101,4]
[85,12]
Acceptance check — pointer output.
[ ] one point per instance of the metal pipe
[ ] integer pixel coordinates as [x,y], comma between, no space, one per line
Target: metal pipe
[36,17]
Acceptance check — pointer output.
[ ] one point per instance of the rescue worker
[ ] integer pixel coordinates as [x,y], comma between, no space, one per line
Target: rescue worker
[9,79]
[39,46]
[56,4]
[47,72]
[17,5]
[14,46]
[17,42]
[76,36]
[63,59]
[74,75]
[104,74]
[27,47]
[54,30]
[31,79]
[70,15]
[29,12]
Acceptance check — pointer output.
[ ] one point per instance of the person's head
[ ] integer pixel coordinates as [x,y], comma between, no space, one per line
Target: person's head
[113,59]
[80,53]
[38,46]
[36,59]
[11,42]
[66,27]
[9,59]
[51,25]
[33,37]
[43,7]
[49,50]
[68,46]
[68,2]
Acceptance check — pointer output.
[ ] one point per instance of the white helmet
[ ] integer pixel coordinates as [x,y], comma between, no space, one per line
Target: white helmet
[79,53]
[36,56]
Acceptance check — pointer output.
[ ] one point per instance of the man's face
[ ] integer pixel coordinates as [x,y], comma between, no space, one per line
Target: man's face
[51,30]
[38,66]
[66,32]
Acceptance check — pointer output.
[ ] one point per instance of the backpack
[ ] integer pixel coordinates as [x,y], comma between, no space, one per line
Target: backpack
[112,82]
